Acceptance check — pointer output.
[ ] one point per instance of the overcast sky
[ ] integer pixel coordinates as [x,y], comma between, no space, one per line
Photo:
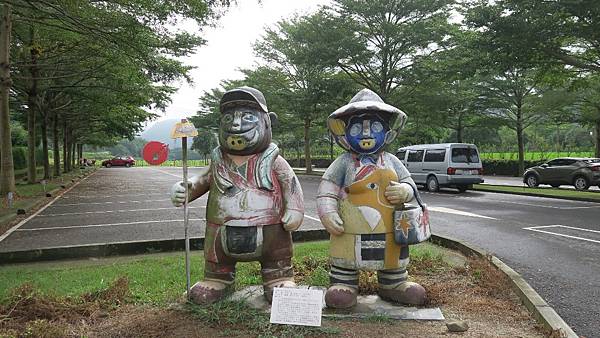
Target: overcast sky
[229,47]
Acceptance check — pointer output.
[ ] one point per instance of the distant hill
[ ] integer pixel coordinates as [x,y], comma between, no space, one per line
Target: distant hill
[161,131]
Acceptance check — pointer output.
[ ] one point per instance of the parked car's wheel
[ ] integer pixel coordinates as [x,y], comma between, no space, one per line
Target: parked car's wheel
[462,188]
[108,165]
[581,183]
[555,185]
[128,165]
[432,184]
[532,181]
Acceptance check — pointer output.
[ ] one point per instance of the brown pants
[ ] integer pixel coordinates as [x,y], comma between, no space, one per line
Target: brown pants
[275,258]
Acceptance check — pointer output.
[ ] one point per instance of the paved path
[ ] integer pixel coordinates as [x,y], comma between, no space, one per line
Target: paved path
[119,205]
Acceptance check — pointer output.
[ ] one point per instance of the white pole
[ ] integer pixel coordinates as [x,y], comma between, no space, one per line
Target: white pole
[186,215]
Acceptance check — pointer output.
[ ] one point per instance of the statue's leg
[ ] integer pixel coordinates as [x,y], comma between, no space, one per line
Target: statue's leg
[394,285]
[276,260]
[219,270]
[344,287]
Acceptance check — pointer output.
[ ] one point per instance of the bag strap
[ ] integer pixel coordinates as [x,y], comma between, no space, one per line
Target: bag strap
[418,197]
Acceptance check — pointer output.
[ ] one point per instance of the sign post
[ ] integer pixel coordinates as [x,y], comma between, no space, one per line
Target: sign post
[183,130]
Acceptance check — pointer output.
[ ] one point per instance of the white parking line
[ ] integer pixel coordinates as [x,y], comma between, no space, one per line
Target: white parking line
[110,196]
[110,202]
[16,227]
[112,211]
[109,224]
[457,212]
[537,229]
[168,173]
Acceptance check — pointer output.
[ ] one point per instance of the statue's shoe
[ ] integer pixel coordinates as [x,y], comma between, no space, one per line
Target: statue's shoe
[208,292]
[409,293]
[268,287]
[341,297]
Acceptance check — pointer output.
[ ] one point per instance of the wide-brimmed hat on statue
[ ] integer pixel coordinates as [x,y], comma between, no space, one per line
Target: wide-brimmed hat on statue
[365,101]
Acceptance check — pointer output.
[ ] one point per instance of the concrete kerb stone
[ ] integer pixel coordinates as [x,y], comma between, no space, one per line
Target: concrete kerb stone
[532,194]
[541,310]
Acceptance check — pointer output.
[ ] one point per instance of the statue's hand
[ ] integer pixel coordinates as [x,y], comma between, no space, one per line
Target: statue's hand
[178,193]
[292,220]
[398,193]
[333,223]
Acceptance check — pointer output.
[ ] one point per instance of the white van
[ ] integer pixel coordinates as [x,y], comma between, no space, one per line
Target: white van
[443,165]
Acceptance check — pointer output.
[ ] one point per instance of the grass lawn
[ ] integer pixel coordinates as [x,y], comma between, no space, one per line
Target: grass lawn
[141,296]
[549,192]
[159,279]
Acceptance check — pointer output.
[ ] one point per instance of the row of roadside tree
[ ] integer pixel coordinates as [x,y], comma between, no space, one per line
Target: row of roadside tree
[76,72]
[461,70]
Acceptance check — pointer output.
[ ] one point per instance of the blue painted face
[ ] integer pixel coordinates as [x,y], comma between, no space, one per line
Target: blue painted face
[366,133]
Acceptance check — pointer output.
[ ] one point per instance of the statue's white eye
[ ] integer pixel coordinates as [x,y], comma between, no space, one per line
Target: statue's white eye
[250,118]
[372,186]
[377,127]
[355,129]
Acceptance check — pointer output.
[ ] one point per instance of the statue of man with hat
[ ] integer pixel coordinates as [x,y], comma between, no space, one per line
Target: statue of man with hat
[254,200]
[356,200]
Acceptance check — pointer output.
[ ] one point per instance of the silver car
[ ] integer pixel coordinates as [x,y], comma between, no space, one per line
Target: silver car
[579,172]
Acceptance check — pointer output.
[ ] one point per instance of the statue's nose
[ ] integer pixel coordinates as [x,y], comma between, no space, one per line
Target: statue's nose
[366,130]
[237,122]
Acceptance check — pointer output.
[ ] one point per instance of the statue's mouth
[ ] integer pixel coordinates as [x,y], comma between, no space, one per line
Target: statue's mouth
[367,143]
[241,141]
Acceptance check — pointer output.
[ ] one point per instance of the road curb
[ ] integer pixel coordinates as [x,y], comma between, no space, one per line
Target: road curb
[532,194]
[126,248]
[541,310]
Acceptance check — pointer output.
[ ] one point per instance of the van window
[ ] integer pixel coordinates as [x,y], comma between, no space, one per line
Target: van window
[435,155]
[400,155]
[465,155]
[415,155]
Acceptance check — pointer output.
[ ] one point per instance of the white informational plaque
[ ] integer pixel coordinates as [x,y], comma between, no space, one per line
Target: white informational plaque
[297,306]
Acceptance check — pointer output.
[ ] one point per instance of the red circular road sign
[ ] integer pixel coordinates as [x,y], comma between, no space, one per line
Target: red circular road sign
[155,152]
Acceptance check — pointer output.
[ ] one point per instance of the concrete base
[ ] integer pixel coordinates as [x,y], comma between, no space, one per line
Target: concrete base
[367,306]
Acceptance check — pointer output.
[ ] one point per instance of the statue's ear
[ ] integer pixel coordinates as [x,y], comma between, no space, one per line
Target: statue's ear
[273,118]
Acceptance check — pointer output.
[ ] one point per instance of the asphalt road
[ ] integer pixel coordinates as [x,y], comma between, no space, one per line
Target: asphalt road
[554,244]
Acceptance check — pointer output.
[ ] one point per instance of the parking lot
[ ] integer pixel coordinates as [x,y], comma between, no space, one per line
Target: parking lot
[118,205]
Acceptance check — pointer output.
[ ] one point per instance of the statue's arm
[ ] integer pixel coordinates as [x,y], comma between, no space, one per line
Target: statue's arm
[292,195]
[200,183]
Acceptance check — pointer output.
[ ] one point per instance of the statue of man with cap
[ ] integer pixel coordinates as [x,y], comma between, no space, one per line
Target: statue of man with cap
[356,201]
[254,200]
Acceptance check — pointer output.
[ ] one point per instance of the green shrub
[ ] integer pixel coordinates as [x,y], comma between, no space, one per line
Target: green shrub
[505,167]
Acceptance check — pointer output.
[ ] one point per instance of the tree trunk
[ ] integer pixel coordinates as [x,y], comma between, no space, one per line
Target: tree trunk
[307,159]
[65,147]
[32,103]
[7,170]
[521,148]
[55,148]
[459,130]
[597,138]
[44,127]
[72,155]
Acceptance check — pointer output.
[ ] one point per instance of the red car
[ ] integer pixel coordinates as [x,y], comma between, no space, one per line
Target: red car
[126,161]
